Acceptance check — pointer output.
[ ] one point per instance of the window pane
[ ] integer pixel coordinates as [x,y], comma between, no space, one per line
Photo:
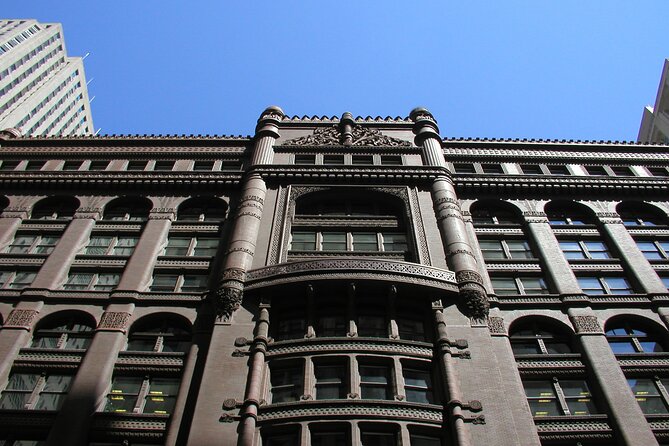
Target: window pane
[49,401]
[525,348]
[21,244]
[330,381]
[372,326]
[303,241]
[164,282]
[364,241]
[411,329]
[98,245]
[161,396]
[519,249]
[332,325]
[22,381]
[125,246]
[22,280]
[286,384]
[425,440]
[106,282]
[14,400]
[78,281]
[579,399]
[647,395]
[492,249]
[378,439]
[177,246]
[618,285]
[194,283]
[334,241]
[328,439]
[206,247]
[77,343]
[504,286]
[394,242]
[374,382]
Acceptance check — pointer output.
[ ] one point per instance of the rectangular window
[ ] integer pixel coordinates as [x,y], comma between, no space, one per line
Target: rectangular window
[164,165]
[99,165]
[375,382]
[519,285]
[362,160]
[558,170]
[391,160]
[654,171]
[16,280]
[137,165]
[605,285]
[334,241]
[72,165]
[108,245]
[35,165]
[333,159]
[365,241]
[531,169]
[186,283]
[492,168]
[654,250]
[286,383]
[505,249]
[178,246]
[372,437]
[542,396]
[303,241]
[464,168]
[305,159]
[323,437]
[191,246]
[648,396]
[394,242]
[622,171]
[91,281]
[371,324]
[596,170]
[411,327]
[585,249]
[9,165]
[330,381]
[35,391]
[33,244]
[131,394]
[203,165]
[418,385]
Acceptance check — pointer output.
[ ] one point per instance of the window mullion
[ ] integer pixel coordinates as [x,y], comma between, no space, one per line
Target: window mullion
[61,341]
[141,396]
[663,390]
[191,246]
[180,282]
[542,346]
[34,395]
[398,385]
[158,346]
[519,285]
[584,249]
[505,249]
[354,382]
[560,396]
[309,383]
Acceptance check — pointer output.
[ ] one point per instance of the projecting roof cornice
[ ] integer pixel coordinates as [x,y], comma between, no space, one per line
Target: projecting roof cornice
[360,174]
[117,180]
[534,144]
[510,185]
[336,119]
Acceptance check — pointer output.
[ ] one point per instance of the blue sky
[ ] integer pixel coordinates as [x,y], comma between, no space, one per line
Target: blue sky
[570,69]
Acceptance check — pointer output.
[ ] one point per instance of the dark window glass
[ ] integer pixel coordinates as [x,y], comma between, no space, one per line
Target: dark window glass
[596,170]
[72,165]
[391,160]
[164,165]
[9,165]
[372,438]
[203,165]
[137,165]
[99,165]
[286,383]
[375,382]
[648,396]
[624,337]
[558,170]
[464,168]
[330,381]
[534,338]
[492,168]
[418,385]
[305,159]
[362,159]
[333,159]
[35,165]
[658,171]
[531,169]
[622,171]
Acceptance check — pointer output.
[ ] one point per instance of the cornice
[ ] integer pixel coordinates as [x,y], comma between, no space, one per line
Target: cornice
[373,174]
[301,120]
[518,185]
[549,144]
[348,345]
[118,180]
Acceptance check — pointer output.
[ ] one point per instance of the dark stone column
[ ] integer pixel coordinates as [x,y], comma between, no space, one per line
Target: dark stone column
[89,386]
[227,298]
[625,414]
[552,260]
[138,270]
[459,252]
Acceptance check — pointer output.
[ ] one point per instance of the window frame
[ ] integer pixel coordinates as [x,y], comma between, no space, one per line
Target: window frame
[93,283]
[179,283]
[143,394]
[192,245]
[604,285]
[39,388]
[10,282]
[505,249]
[520,286]
[35,244]
[586,249]
[113,245]
[559,397]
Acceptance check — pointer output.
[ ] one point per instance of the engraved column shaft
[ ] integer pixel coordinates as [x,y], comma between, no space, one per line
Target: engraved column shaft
[53,272]
[459,252]
[624,412]
[139,269]
[552,260]
[247,217]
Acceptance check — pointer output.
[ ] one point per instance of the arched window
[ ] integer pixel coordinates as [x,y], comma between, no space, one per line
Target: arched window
[64,331]
[641,214]
[365,225]
[538,336]
[202,209]
[163,333]
[628,336]
[569,213]
[494,213]
[55,208]
[128,209]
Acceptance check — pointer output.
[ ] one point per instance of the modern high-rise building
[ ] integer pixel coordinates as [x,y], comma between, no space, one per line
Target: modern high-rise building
[333,281]
[655,120]
[42,89]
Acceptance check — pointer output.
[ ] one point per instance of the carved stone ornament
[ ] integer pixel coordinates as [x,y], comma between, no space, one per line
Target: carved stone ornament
[496,325]
[229,404]
[226,300]
[21,318]
[361,136]
[114,320]
[586,324]
[475,301]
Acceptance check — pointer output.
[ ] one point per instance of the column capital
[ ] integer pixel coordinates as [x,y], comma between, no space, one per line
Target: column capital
[268,122]
[425,126]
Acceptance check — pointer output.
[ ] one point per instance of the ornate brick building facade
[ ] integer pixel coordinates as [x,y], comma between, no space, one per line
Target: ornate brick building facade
[333,281]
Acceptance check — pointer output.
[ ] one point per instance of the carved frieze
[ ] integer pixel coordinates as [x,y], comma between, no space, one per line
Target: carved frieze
[360,136]
[586,325]
[20,318]
[114,320]
[496,325]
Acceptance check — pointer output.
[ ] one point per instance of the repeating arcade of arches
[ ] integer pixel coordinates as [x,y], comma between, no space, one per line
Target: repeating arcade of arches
[627,210]
[135,208]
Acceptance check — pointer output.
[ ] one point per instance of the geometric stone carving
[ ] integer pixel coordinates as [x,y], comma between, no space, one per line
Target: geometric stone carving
[496,325]
[20,319]
[227,300]
[360,136]
[114,321]
[586,324]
